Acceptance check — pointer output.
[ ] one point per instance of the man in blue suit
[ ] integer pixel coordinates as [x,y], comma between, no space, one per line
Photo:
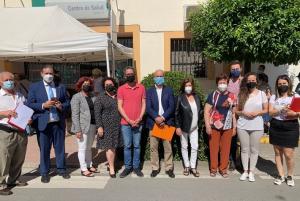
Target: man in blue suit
[160,110]
[50,102]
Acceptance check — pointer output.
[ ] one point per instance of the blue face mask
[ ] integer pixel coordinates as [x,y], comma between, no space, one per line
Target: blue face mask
[235,73]
[159,80]
[8,85]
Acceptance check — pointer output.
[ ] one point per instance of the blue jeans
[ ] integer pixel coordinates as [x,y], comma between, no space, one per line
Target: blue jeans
[131,136]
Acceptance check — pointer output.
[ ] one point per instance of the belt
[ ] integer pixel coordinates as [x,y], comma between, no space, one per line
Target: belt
[7,129]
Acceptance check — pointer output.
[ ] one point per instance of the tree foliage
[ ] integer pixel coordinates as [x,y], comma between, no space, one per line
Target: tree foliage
[253,30]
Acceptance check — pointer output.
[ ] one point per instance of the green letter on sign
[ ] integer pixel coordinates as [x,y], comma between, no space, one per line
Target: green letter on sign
[38,3]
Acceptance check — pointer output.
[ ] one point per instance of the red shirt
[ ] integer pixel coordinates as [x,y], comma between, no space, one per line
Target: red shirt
[132,100]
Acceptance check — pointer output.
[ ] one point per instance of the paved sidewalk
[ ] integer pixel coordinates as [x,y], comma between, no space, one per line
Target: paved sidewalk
[265,164]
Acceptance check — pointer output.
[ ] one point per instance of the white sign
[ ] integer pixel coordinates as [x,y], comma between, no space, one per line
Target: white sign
[82,9]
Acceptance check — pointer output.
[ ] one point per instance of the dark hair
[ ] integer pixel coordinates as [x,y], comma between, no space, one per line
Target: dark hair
[234,62]
[47,66]
[81,81]
[187,80]
[262,66]
[127,68]
[244,91]
[111,79]
[222,76]
[284,77]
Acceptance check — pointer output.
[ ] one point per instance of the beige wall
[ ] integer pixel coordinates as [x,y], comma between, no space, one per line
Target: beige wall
[15,3]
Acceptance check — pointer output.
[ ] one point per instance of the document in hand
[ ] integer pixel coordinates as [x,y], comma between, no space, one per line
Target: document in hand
[24,114]
[295,104]
[164,132]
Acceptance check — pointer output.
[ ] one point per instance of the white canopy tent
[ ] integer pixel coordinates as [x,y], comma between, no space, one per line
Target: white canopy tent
[48,34]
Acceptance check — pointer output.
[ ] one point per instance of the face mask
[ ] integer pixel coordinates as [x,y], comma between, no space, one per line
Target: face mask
[130,78]
[188,90]
[251,85]
[8,85]
[222,87]
[87,88]
[111,89]
[159,80]
[283,89]
[48,78]
[235,73]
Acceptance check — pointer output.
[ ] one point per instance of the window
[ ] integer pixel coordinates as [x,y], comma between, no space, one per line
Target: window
[187,58]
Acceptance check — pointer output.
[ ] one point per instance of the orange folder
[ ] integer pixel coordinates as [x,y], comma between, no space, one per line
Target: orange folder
[164,132]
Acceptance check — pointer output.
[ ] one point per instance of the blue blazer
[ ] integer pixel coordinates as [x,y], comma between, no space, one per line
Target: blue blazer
[152,106]
[37,95]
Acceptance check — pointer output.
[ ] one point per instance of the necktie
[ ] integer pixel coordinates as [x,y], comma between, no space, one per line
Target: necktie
[53,111]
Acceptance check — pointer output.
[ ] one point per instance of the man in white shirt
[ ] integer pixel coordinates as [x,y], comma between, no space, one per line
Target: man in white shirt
[13,143]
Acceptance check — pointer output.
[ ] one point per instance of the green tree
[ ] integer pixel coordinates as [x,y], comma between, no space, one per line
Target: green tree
[248,30]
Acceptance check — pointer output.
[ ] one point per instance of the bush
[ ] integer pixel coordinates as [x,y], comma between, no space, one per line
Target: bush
[174,80]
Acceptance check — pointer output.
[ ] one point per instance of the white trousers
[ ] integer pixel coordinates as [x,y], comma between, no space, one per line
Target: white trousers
[193,137]
[85,148]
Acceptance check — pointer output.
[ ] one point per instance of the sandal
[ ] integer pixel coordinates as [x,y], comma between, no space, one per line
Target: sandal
[93,170]
[195,172]
[186,171]
[224,175]
[87,173]
[213,174]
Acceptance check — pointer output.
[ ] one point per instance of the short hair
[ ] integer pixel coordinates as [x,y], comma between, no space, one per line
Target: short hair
[80,82]
[47,66]
[111,79]
[222,76]
[96,72]
[6,72]
[129,68]
[187,80]
[234,62]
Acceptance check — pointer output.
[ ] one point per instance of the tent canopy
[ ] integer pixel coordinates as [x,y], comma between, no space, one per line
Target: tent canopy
[48,34]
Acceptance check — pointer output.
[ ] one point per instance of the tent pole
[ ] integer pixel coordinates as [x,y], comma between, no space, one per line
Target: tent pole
[107,62]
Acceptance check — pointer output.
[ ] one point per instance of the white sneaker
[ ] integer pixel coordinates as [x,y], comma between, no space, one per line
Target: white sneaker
[290,181]
[251,177]
[279,180]
[244,176]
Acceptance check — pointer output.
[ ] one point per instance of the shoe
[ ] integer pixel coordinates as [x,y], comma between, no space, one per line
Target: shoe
[279,180]
[17,184]
[244,176]
[87,173]
[231,166]
[138,172]
[186,171]
[251,177]
[113,175]
[125,173]
[154,173]
[170,173]
[290,181]
[93,170]
[213,174]
[195,172]
[45,179]
[5,191]
[224,174]
[65,175]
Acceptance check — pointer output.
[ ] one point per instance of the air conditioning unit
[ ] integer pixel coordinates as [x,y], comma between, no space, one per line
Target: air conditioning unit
[187,10]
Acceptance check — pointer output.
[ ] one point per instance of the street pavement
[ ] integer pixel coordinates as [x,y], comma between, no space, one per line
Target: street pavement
[182,188]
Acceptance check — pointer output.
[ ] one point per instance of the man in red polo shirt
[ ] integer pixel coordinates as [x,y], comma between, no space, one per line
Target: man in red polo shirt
[131,105]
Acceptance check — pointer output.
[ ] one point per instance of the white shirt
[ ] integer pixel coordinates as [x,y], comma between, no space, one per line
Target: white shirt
[8,102]
[194,109]
[253,104]
[281,102]
[159,94]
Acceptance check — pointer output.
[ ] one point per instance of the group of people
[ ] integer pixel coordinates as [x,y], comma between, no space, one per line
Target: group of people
[114,116]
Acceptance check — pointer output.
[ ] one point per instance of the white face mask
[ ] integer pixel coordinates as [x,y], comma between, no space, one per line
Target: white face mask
[188,90]
[222,87]
[48,78]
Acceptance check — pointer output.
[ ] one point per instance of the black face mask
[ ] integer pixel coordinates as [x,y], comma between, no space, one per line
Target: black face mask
[283,89]
[130,78]
[111,89]
[87,88]
[251,85]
